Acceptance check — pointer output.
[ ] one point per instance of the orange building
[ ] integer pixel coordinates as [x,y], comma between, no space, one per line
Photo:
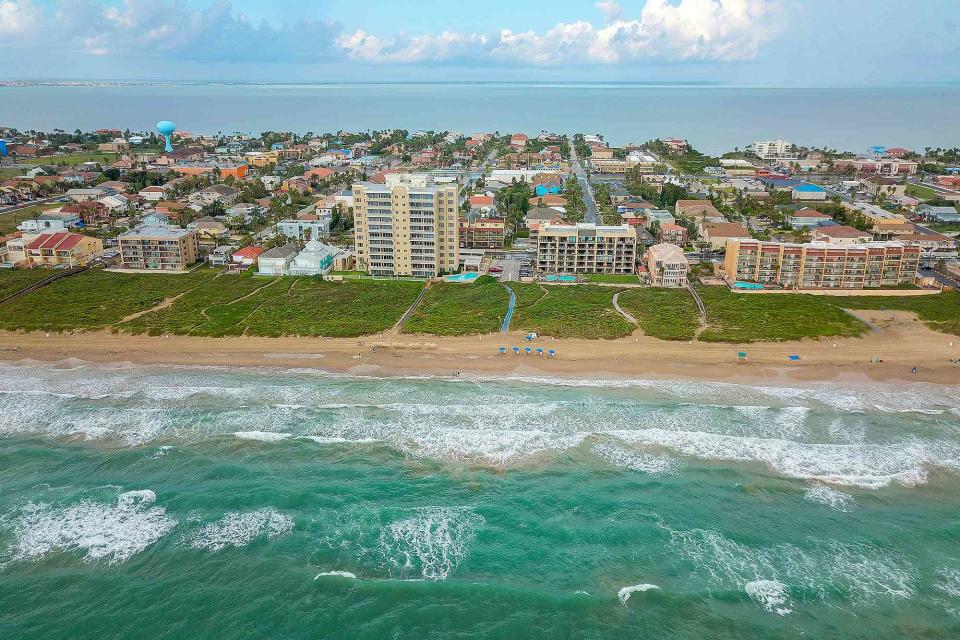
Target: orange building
[237,171]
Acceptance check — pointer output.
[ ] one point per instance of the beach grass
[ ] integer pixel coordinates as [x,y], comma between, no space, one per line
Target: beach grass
[460,309]
[205,310]
[94,299]
[744,317]
[71,159]
[940,312]
[612,278]
[314,307]
[582,311]
[667,314]
[13,280]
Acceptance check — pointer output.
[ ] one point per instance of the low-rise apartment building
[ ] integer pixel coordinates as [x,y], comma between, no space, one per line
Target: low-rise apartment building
[667,265]
[407,226]
[482,233]
[158,247]
[818,265]
[62,247]
[585,248]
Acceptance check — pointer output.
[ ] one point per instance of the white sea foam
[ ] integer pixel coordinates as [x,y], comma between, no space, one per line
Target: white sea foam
[240,529]
[859,572]
[262,436]
[339,440]
[625,593]
[339,574]
[111,533]
[432,542]
[836,500]
[949,582]
[772,595]
[632,459]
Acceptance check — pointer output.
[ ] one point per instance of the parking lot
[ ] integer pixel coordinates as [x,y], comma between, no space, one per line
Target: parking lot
[512,267]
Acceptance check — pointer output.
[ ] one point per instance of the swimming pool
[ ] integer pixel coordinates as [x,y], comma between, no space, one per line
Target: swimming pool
[747,285]
[463,277]
[555,278]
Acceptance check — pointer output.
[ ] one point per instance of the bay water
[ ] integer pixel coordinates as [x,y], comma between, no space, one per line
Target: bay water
[715,118]
[177,502]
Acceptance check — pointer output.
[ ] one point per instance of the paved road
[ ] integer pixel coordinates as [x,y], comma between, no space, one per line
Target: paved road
[23,205]
[591,214]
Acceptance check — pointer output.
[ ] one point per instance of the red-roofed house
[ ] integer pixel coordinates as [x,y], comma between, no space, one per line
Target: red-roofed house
[89,211]
[519,140]
[247,256]
[896,152]
[62,247]
[319,173]
[481,201]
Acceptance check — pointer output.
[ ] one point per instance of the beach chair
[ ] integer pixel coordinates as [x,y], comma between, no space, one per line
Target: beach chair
[741,356]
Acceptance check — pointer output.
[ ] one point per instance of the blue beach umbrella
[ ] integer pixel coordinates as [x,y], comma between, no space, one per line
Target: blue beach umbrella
[553,353]
[503,349]
[539,351]
[528,350]
[516,349]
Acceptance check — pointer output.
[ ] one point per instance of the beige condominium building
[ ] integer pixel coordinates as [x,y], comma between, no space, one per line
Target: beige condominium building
[406,227]
[667,265]
[159,247]
[585,248]
[819,265]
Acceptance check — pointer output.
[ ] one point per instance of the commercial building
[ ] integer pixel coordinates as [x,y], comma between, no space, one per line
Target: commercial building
[879,166]
[62,247]
[585,248]
[809,192]
[407,226]
[667,265]
[774,150]
[818,265]
[158,247]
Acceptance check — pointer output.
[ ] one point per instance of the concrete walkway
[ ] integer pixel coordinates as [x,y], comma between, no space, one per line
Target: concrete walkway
[620,310]
[505,327]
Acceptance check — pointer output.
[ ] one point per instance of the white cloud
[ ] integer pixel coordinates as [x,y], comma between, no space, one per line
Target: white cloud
[18,17]
[689,30]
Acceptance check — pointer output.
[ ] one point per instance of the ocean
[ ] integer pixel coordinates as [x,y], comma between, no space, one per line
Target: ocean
[715,118]
[177,502]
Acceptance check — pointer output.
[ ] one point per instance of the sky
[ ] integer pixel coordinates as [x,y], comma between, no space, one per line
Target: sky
[753,42]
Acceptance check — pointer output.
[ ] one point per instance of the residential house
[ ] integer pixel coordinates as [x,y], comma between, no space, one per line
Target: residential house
[81,195]
[667,265]
[933,213]
[49,221]
[840,234]
[519,141]
[277,261]
[153,193]
[315,259]
[209,228]
[478,232]
[670,233]
[717,233]
[214,193]
[540,216]
[90,212]
[806,218]
[247,256]
[303,229]
[548,201]
[696,209]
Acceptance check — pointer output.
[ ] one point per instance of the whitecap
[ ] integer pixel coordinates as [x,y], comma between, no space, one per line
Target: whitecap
[432,542]
[836,500]
[625,593]
[339,574]
[111,533]
[239,529]
[633,460]
[262,436]
[772,595]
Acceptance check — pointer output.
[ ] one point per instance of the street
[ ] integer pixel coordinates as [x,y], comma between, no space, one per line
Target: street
[591,214]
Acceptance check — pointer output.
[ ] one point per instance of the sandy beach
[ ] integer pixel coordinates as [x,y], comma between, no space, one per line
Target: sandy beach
[899,340]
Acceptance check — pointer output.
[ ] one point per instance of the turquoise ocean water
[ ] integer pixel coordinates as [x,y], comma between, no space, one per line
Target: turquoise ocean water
[170,502]
[715,118]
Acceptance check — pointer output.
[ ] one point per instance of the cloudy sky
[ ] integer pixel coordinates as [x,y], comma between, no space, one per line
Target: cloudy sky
[766,42]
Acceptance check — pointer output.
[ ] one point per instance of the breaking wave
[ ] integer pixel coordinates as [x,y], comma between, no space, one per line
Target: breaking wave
[240,529]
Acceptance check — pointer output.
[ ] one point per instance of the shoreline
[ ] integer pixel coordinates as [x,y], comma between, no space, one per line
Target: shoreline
[901,345]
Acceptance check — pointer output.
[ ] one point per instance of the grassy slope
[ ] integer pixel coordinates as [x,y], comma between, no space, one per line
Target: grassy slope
[668,314]
[584,311]
[742,317]
[460,309]
[611,278]
[13,280]
[332,309]
[940,312]
[189,314]
[94,299]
